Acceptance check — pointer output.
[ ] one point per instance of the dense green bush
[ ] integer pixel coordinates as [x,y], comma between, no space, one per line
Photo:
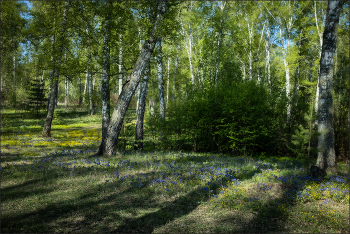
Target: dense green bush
[236,118]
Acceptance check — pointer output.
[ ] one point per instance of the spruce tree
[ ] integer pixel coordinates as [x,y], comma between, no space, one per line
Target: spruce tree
[37,96]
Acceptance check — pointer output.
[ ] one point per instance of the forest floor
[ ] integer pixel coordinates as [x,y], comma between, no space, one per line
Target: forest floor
[58,185]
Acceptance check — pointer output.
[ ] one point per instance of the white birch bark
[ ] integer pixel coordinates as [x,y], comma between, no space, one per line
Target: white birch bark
[326,156]
[66,86]
[286,67]
[14,73]
[106,71]
[141,111]
[160,80]
[129,87]
[167,84]
[268,60]
[175,70]
[319,32]
[120,63]
[188,46]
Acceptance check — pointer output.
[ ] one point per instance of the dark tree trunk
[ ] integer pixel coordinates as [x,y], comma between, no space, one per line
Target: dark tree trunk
[326,155]
[106,73]
[129,87]
[56,74]
[141,111]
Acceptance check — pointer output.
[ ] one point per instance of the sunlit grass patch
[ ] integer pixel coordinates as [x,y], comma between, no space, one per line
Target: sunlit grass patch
[57,184]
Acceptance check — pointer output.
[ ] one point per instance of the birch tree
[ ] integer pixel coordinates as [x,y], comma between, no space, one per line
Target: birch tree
[56,73]
[106,69]
[326,156]
[121,106]
[141,110]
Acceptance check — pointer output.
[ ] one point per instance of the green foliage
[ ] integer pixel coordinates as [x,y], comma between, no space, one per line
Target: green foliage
[231,118]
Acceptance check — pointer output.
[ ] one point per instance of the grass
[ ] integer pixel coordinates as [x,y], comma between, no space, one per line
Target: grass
[57,185]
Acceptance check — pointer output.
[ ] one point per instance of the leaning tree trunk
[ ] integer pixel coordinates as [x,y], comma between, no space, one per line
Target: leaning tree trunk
[141,111]
[106,73]
[129,87]
[56,74]
[326,155]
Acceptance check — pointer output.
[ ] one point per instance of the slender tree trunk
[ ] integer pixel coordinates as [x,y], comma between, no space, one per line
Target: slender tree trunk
[85,85]
[141,111]
[160,87]
[51,81]
[79,86]
[250,31]
[218,57]
[105,74]
[175,70]
[319,32]
[138,89]
[53,96]
[160,80]
[65,85]
[14,73]
[120,63]
[167,84]
[267,47]
[286,67]
[91,101]
[129,88]
[326,156]
[188,45]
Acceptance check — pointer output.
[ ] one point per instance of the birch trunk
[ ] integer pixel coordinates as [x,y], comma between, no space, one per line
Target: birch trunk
[319,32]
[14,73]
[79,86]
[167,84]
[56,73]
[138,89]
[188,45]
[106,72]
[286,67]
[85,85]
[326,156]
[128,90]
[120,63]
[66,86]
[175,70]
[250,31]
[267,48]
[66,91]
[141,111]
[160,80]
[90,87]
[218,57]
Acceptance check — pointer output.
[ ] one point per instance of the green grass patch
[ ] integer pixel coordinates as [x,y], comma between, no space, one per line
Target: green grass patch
[57,185]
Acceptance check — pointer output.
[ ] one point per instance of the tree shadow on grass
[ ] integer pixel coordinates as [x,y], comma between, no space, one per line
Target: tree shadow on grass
[268,218]
[24,190]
